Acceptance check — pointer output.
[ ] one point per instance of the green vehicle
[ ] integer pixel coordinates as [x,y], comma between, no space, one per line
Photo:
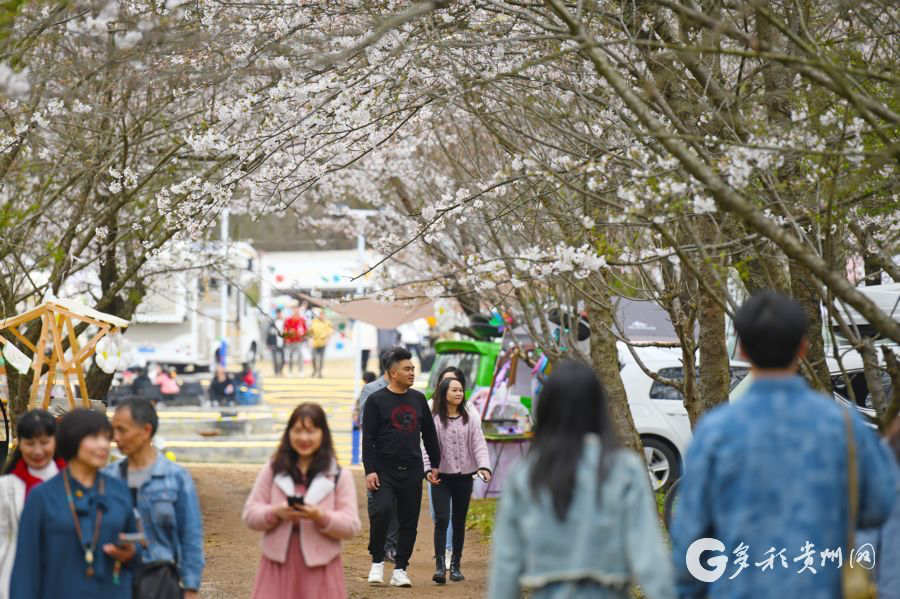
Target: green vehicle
[475,358]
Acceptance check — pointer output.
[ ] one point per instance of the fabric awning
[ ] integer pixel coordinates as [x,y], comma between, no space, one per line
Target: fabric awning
[383,316]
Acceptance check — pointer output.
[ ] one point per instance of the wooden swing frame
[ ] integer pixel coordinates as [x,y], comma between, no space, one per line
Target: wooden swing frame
[57,324]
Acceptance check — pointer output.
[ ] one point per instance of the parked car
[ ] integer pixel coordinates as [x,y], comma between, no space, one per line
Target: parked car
[658,410]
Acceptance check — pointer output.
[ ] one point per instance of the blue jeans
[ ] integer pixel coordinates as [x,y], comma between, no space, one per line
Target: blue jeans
[449,526]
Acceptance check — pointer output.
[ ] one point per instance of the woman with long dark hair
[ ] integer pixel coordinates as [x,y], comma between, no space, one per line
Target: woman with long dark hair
[450,372]
[33,462]
[463,455]
[306,505]
[577,518]
[69,542]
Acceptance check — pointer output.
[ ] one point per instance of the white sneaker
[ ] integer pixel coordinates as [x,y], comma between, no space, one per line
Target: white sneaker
[447,556]
[376,574]
[400,579]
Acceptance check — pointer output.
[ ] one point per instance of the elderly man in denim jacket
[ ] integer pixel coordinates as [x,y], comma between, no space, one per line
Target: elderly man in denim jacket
[763,509]
[164,492]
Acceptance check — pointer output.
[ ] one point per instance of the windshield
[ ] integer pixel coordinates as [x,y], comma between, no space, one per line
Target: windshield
[854,388]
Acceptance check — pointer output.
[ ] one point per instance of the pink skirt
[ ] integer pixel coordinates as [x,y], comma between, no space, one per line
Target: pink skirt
[295,580]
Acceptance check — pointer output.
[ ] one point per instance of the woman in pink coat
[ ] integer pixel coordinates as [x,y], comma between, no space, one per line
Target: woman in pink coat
[306,505]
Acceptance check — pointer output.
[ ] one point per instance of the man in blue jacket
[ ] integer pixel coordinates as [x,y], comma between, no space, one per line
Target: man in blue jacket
[164,495]
[763,509]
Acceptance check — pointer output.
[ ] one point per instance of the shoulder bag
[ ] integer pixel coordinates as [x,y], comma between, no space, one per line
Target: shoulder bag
[855,582]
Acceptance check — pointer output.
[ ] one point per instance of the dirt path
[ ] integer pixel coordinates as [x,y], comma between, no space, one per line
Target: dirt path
[232,551]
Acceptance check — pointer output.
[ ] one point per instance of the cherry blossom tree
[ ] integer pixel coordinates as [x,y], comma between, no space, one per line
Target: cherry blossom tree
[518,155]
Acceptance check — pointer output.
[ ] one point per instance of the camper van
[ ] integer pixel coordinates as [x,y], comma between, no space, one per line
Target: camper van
[178,322]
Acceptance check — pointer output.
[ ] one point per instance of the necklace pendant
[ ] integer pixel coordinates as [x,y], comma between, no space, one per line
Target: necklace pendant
[89,556]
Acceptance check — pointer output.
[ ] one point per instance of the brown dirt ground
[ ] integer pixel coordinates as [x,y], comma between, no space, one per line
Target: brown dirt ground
[232,551]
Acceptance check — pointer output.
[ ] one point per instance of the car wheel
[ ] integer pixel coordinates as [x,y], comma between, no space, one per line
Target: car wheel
[662,463]
[669,504]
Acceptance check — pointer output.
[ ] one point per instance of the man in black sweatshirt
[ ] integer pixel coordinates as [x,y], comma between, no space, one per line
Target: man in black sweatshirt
[396,421]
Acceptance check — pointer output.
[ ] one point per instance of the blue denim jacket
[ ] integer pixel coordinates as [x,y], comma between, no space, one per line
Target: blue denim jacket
[170,515]
[769,473]
[886,541]
[610,537]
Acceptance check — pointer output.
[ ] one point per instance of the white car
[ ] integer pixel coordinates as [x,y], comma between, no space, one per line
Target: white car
[662,420]
[658,410]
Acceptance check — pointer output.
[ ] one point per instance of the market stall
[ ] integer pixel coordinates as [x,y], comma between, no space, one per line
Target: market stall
[507,407]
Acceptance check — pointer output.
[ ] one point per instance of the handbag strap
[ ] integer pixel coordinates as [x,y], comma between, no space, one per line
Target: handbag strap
[853,494]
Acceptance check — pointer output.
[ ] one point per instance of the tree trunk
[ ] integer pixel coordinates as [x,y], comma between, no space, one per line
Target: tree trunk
[803,288]
[19,385]
[761,272]
[98,382]
[715,371]
[684,319]
[605,360]
[892,409]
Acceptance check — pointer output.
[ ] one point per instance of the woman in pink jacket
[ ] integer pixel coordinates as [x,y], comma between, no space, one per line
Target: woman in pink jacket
[306,505]
[464,454]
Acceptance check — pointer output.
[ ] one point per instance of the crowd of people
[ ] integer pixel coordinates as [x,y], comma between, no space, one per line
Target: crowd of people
[81,526]
[304,333]
[780,471]
[290,339]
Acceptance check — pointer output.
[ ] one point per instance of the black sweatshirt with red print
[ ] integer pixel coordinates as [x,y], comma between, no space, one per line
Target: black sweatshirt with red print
[393,426]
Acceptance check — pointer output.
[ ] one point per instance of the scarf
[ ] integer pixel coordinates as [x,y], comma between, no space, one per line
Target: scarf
[31,481]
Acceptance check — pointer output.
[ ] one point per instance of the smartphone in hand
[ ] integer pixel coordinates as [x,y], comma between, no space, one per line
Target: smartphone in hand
[295,501]
[131,537]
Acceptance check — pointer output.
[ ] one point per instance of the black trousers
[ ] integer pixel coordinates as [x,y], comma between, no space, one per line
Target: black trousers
[455,489]
[393,529]
[277,359]
[403,489]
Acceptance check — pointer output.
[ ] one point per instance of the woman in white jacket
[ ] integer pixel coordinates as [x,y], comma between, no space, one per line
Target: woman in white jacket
[33,462]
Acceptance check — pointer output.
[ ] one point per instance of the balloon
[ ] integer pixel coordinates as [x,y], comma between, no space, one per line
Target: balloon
[113,353]
[103,346]
[105,363]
